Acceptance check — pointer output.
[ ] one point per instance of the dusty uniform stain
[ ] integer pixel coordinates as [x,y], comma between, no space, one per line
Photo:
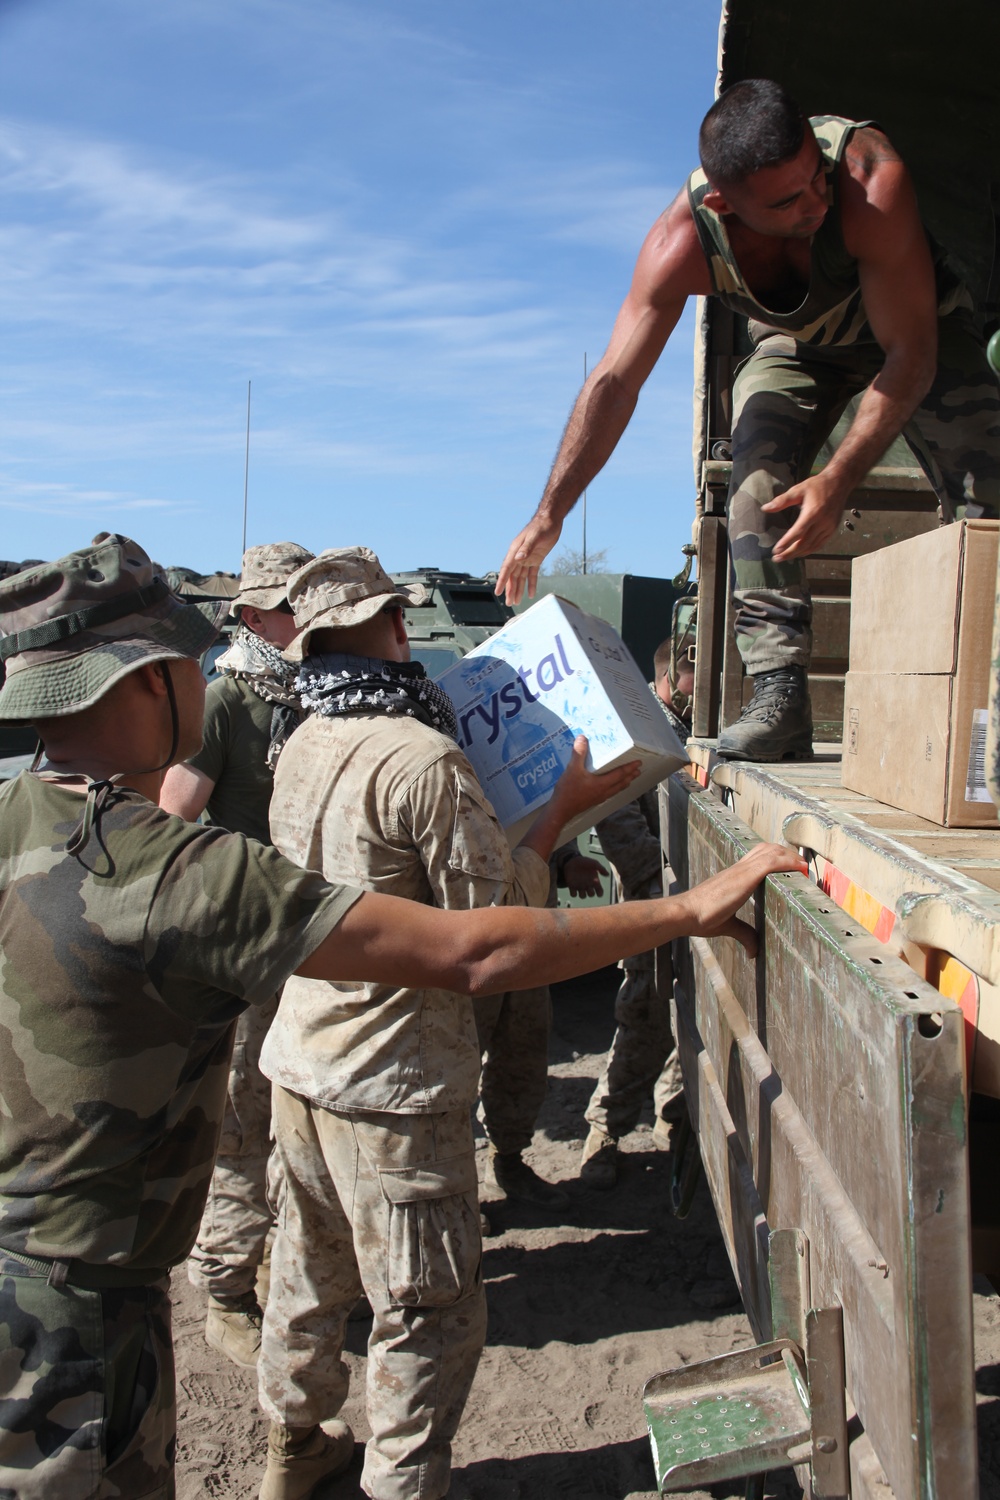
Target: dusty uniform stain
[377,1180]
[806,366]
[123,973]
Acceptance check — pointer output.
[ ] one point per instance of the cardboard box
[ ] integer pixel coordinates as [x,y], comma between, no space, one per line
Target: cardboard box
[523,696]
[916,695]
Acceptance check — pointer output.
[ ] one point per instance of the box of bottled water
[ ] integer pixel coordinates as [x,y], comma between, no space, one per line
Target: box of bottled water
[523,696]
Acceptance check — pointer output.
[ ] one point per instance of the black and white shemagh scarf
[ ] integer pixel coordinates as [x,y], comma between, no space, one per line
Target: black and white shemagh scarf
[334,683]
[271,677]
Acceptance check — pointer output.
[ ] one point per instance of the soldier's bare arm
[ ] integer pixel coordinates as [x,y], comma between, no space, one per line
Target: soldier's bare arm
[391,941]
[671,267]
[186,792]
[882,228]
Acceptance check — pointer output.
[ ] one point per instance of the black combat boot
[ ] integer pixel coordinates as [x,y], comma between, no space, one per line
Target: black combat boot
[777,722]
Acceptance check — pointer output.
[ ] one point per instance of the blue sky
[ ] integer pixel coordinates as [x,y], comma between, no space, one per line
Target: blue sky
[405,221]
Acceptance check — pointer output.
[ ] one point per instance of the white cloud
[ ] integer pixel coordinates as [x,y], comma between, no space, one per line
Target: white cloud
[57,499]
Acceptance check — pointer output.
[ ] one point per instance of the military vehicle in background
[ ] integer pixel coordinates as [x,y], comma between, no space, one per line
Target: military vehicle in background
[834,1084]
[461,612]
[639,608]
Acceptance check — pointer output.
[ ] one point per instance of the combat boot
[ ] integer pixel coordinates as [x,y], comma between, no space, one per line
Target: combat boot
[599,1161]
[232,1328]
[299,1458]
[518,1182]
[777,722]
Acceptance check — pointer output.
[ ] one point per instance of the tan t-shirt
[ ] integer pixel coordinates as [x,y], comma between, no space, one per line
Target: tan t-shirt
[392,805]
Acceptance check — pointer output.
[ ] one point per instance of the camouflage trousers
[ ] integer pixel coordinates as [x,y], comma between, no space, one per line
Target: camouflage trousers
[642,1061]
[237,1219]
[86,1388]
[513,1031]
[387,1204]
[787,398]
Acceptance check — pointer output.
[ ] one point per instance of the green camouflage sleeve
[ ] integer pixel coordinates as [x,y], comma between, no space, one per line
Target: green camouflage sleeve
[231,914]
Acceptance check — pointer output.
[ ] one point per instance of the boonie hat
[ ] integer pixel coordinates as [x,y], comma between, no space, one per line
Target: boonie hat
[343,586]
[265,574]
[71,629]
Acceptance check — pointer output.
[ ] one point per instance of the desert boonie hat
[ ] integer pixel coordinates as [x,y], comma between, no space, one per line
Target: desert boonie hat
[265,574]
[70,629]
[343,586]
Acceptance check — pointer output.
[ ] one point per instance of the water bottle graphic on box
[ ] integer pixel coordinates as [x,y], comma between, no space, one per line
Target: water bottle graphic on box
[539,755]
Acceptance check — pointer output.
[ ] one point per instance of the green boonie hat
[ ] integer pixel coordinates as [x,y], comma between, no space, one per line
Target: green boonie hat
[343,586]
[70,629]
[265,574]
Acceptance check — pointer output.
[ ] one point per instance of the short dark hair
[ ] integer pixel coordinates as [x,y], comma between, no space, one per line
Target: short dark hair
[661,658]
[755,124]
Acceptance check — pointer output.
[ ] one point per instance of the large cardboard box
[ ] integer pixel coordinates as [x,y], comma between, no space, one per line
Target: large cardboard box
[524,695]
[916,695]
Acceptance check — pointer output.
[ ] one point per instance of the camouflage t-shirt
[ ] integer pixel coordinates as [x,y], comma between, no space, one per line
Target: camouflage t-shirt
[121,972]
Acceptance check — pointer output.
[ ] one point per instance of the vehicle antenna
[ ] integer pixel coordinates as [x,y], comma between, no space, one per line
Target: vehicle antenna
[585,492]
[246,474]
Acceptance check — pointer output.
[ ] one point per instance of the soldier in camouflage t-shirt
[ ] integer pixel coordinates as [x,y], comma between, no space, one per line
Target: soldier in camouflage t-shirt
[126,961]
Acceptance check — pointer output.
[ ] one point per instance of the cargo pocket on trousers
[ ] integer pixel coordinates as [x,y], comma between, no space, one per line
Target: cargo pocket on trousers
[435,1242]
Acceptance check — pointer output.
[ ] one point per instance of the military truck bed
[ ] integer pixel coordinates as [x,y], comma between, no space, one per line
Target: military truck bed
[827,1082]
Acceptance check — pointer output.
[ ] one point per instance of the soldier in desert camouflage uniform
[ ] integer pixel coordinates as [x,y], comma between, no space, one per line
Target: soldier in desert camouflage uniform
[810,228]
[129,942]
[250,711]
[373,1127]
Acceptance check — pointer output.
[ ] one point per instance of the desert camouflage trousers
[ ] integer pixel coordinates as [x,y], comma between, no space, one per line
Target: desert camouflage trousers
[641,1062]
[387,1204]
[513,1031]
[236,1221]
[86,1388]
[787,398]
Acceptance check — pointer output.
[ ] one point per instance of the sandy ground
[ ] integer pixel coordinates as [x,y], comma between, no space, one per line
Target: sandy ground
[581,1313]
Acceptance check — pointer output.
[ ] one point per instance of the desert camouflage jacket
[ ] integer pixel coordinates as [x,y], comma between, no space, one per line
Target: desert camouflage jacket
[390,804]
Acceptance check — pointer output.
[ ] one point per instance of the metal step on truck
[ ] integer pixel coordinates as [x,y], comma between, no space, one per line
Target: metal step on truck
[843,1087]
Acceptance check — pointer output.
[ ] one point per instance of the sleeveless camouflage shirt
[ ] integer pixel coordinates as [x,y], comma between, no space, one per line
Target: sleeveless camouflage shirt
[832,312]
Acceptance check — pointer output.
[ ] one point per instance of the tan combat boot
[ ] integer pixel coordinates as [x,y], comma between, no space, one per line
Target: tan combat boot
[599,1161]
[298,1458]
[232,1328]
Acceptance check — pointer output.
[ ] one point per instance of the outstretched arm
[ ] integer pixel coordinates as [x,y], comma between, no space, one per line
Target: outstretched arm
[386,940]
[670,268]
[882,228]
